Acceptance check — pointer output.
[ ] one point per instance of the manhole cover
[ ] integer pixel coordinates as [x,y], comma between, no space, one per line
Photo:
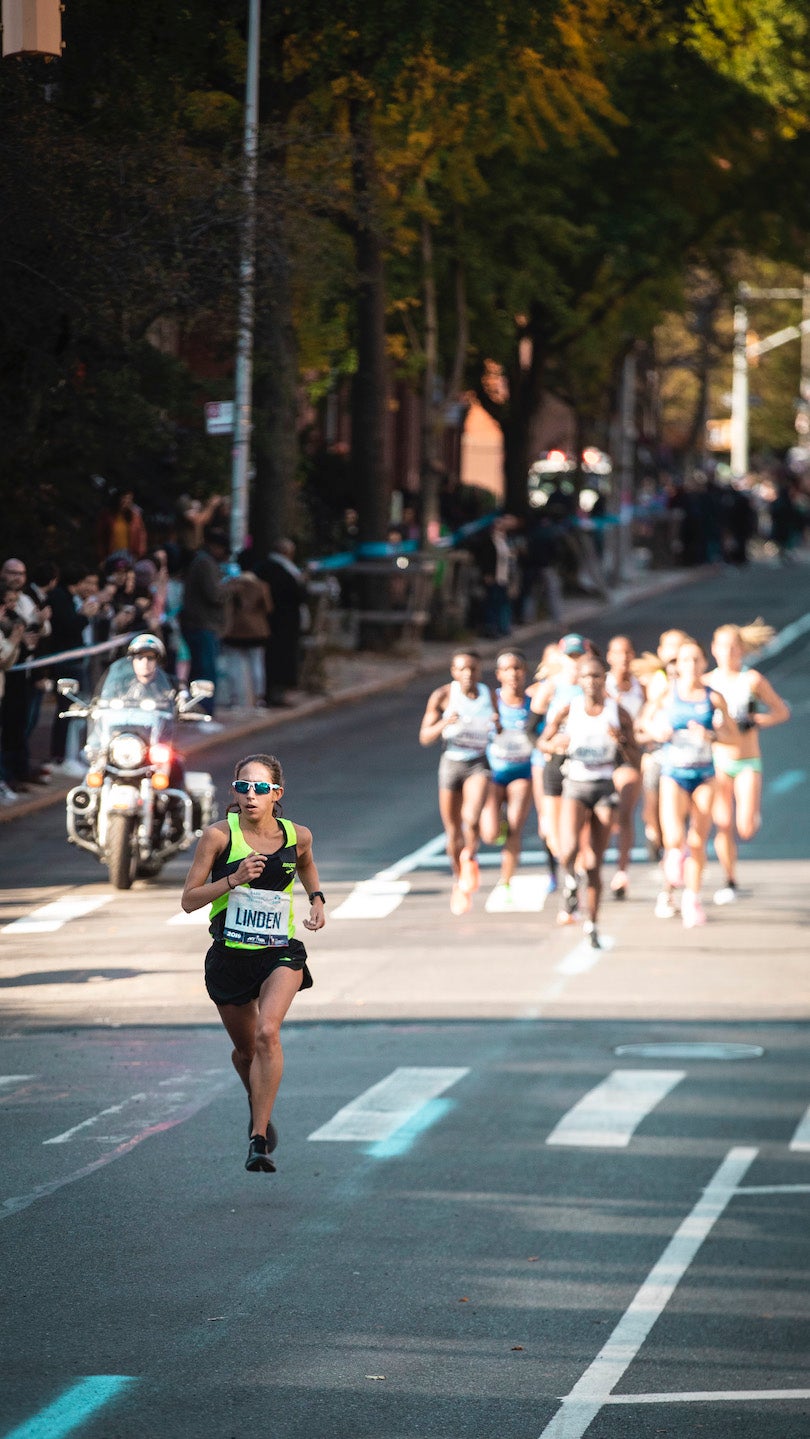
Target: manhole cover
[687,1050]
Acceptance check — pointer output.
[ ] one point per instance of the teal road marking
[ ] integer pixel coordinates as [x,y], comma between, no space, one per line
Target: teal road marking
[784,783]
[406,1136]
[72,1407]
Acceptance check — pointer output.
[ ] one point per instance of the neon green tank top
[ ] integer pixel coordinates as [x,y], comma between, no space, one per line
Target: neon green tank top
[278,873]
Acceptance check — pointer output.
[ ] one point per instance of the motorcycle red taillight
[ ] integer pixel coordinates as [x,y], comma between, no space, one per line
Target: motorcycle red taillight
[160,754]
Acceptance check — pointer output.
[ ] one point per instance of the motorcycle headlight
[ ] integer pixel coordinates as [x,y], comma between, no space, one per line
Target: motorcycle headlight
[127,751]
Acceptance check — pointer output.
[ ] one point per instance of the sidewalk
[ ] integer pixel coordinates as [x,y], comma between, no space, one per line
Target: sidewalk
[352,677]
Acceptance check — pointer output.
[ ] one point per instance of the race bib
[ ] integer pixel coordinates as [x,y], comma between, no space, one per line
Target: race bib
[259,917]
[691,751]
[593,755]
[512,746]
[469,734]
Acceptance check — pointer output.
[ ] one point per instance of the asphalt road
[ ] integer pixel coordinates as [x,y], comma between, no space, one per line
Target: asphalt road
[487,1220]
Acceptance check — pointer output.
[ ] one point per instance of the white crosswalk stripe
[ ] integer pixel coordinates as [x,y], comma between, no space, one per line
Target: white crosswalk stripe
[801,1135]
[385,1107]
[49,917]
[608,1116]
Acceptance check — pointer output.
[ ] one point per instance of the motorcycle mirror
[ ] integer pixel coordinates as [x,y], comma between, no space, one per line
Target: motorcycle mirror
[202,689]
[67,687]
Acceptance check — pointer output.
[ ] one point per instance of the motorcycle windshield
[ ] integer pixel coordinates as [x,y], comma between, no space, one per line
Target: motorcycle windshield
[125,703]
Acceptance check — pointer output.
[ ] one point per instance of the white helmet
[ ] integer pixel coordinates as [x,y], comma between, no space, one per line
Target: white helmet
[147,645]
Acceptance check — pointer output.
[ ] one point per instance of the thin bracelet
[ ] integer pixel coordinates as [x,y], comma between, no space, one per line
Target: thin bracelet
[231,887]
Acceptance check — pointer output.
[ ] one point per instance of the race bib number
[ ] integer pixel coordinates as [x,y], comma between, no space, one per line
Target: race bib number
[259,917]
[512,746]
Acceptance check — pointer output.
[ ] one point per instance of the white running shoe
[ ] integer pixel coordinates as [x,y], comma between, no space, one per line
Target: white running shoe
[7,794]
[620,884]
[673,868]
[590,931]
[692,912]
[726,895]
[665,906]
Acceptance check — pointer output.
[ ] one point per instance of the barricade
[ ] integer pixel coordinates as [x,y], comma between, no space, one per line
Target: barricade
[87,654]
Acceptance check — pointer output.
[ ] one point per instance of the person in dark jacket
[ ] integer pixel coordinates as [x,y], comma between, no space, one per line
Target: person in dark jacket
[202,618]
[288,593]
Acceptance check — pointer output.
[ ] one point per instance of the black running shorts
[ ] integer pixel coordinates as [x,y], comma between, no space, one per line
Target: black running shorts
[235,976]
[453,772]
[590,792]
[552,776]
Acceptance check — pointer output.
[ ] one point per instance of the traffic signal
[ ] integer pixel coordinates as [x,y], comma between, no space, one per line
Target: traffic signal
[32,27]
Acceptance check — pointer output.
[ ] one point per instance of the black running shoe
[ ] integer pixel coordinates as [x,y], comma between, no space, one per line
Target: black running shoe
[591,933]
[258,1160]
[570,895]
[271,1132]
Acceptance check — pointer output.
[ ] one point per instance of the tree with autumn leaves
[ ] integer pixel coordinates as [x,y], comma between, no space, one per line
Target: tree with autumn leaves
[441,188]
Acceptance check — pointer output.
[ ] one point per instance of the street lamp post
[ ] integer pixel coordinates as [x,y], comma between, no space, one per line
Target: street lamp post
[243,378]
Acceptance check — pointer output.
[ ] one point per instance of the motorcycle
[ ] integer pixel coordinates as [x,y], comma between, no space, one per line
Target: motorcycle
[127,811]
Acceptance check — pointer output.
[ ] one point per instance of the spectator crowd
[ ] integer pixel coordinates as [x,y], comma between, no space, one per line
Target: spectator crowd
[234,623]
[238,623]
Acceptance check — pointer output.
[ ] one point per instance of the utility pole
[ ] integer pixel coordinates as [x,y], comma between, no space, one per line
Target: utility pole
[739,395]
[744,352]
[243,378]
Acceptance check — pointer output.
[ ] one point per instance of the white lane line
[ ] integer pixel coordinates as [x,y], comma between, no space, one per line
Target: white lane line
[591,1392]
[197,916]
[8,1079]
[49,917]
[385,1107]
[413,860]
[164,1112]
[774,1189]
[710,1396]
[801,1134]
[583,956]
[379,896]
[94,1119]
[608,1116]
[490,859]
[373,899]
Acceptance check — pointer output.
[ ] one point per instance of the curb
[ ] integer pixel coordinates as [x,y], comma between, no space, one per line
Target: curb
[426,665]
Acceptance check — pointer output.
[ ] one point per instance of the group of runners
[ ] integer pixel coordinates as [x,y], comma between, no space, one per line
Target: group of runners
[585,740]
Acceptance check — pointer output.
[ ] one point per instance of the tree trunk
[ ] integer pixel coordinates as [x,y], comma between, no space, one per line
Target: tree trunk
[525,392]
[275,449]
[370,382]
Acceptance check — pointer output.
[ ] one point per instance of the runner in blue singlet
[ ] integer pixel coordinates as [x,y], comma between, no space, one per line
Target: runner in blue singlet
[686,719]
[510,760]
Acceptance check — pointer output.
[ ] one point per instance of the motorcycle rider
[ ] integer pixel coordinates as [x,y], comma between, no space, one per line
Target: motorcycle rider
[144,657]
[145,654]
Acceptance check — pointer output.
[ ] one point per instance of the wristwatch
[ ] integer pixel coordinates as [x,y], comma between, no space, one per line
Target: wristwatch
[317,894]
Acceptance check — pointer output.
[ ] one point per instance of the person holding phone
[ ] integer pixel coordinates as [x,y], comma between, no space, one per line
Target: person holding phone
[245,868]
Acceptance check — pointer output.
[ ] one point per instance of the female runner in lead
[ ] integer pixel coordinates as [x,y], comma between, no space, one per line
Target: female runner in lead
[245,868]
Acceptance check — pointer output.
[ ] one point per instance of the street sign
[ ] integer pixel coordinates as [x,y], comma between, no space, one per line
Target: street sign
[219,417]
[718,434]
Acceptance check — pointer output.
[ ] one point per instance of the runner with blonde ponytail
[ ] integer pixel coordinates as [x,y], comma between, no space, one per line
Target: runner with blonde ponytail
[753,704]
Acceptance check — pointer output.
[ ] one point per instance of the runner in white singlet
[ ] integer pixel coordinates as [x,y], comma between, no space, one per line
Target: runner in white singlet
[753,705]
